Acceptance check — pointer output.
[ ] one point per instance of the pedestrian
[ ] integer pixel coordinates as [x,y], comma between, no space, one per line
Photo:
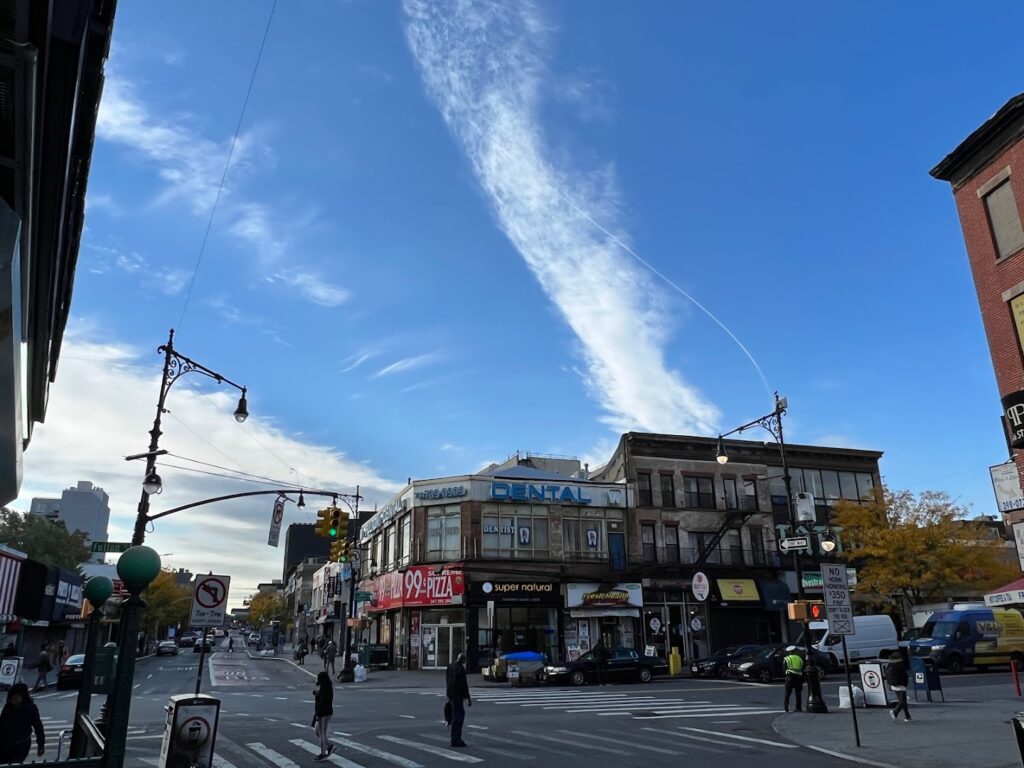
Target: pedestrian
[323,696]
[794,664]
[20,716]
[897,678]
[303,650]
[231,644]
[62,653]
[42,670]
[312,644]
[600,654]
[10,651]
[329,653]
[457,692]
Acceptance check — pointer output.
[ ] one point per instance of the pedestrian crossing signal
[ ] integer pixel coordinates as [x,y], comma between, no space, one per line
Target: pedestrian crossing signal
[816,611]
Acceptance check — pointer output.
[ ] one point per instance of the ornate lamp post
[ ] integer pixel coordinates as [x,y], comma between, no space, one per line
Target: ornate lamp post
[772,422]
[136,567]
[176,365]
[97,591]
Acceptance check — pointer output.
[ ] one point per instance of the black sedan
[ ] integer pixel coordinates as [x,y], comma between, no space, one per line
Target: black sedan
[198,647]
[167,648]
[624,665]
[70,673]
[766,664]
[186,641]
[717,664]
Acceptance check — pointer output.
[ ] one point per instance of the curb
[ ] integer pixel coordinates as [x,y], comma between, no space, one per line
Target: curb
[830,752]
[280,658]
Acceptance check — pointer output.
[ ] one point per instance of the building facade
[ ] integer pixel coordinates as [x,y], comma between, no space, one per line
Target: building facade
[663,547]
[298,593]
[986,172]
[300,543]
[84,508]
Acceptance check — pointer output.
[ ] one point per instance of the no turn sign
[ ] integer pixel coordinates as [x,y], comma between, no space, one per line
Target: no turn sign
[209,601]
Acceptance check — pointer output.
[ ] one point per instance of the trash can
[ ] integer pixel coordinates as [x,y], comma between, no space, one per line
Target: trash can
[364,654]
[924,675]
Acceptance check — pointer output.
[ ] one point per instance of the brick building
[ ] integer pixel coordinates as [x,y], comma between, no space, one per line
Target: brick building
[986,172]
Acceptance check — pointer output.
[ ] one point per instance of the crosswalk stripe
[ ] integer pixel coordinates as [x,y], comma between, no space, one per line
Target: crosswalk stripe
[274,757]
[494,750]
[645,705]
[374,752]
[220,762]
[731,745]
[335,758]
[736,736]
[439,751]
[711,714]
[583,744]
[644,747]
[519,743]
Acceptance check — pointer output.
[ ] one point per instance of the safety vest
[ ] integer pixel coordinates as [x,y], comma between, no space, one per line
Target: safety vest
[794,664]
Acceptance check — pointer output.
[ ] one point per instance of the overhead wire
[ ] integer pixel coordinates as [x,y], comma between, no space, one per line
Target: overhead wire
[227,167]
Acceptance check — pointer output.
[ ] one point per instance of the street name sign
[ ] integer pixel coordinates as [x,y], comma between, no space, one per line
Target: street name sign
[100,547]
[209,601]
[794,542]
[837,599]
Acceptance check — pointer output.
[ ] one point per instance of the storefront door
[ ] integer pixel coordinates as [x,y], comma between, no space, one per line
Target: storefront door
[442,644]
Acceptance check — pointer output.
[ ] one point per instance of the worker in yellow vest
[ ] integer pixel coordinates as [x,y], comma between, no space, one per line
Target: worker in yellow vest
[794,664]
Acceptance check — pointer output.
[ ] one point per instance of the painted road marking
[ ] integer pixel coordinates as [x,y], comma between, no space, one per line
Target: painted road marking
[698,738]
[581,744]
[619,741]
[220,762]
[780,744]
[439,751]
[374,752]
[335,758]
[274,757]
[711,714]
[519,743]
[494,750]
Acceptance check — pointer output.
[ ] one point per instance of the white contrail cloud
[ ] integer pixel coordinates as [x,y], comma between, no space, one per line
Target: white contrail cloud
[483,64]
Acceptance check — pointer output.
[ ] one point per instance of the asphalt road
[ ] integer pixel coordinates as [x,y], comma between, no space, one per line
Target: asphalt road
[267,707]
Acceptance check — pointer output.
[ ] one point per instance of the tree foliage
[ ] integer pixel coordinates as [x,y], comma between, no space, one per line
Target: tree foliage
[42,540]
[919,548]
[265,607]
[167,604]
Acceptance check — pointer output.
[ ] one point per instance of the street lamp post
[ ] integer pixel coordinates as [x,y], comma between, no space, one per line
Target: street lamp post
[772,422]
[175,366]
[97,591]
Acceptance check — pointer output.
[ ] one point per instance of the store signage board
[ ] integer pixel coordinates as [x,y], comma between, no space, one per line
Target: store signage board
[701,586]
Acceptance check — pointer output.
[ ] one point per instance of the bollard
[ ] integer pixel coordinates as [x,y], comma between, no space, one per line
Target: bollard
[1016,676]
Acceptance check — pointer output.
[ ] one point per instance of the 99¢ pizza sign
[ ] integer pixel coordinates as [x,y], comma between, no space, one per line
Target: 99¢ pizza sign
[423,585]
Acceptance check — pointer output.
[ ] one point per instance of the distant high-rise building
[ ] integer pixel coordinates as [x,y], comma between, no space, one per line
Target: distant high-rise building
[48,508]
[84,508]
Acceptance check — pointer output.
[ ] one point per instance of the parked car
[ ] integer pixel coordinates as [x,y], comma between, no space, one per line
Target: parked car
[70,673]
[254,638]
[765,664]
[874,637]
[717,664]
[624,665]
[186,641]
[198,647]
[167,648]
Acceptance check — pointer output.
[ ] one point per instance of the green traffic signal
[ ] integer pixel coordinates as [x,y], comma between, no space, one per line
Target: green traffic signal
[333,531]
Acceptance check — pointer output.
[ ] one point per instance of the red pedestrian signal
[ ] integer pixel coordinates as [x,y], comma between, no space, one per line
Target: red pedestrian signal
[816,611]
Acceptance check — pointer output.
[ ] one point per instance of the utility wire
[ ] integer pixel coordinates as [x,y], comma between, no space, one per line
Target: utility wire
[227,166]
[194,432]
[228,469]
[279,483]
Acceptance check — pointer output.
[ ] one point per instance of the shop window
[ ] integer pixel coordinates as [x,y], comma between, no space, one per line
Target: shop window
[672,543]
[699,492]
[444,530]
[668,491]
[643,484]
[517,531]
[584,538]
[731,496]
[647,540]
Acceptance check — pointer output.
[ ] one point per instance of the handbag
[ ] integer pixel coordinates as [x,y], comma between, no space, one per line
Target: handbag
[447,713]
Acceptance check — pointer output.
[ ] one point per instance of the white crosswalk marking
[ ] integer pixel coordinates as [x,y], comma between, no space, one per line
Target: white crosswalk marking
[274,757]
[439,751]
[220,762]
[374,752]
[563,740]
[519,743]
[780,744]
[314,749]
[645,747]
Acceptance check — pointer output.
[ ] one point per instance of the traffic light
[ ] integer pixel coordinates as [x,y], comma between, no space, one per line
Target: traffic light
[323,523]
[335,519]
[340,524]
[346,550]
[816,611]
[337,549]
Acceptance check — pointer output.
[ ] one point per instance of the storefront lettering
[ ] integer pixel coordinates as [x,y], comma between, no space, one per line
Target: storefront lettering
[450,492]
[530,492]
[611,597]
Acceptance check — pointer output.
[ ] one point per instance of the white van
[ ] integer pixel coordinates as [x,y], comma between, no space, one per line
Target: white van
[875,637]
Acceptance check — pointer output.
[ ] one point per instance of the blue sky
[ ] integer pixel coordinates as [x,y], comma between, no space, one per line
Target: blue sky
[417,266]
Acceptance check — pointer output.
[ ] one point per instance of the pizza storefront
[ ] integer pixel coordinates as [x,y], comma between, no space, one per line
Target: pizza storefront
[601,613]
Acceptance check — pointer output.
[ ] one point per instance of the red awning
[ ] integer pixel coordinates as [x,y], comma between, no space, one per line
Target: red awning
[1012,586]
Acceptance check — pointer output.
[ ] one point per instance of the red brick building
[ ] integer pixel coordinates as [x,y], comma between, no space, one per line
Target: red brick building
[987,175]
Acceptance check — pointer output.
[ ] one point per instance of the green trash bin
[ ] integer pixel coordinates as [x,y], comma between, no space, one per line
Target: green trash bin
[364,654]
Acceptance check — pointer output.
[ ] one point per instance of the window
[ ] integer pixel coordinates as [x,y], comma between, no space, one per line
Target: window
[647,539]
[387,553]
[749,501]
[757,545]
[731,497]
[584,532]
[1004,220]
[865,486]
[699,492]
[444,532]
[732,547]
[848,486]
[668,491]
[830,483]
[405,552]
[517,530]
[699,539]
[672,543]
[643,483]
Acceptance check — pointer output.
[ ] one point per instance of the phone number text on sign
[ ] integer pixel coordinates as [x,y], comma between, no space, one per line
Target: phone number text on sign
[425,586]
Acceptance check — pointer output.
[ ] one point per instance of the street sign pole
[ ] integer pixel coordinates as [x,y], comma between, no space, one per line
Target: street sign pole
[202,655]
[849,687]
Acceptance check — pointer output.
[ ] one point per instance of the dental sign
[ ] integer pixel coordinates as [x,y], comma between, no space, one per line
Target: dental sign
[556,494]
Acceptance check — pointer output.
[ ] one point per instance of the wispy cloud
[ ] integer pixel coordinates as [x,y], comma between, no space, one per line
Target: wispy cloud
[407,364]
[484,65]
[355,361]
[167,280]
[372,71]
[103,202]
[314,287]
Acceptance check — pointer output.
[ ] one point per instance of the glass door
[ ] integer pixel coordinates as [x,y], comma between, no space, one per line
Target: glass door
[442,644]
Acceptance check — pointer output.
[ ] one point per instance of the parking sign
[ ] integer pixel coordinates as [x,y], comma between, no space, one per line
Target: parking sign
[837,599]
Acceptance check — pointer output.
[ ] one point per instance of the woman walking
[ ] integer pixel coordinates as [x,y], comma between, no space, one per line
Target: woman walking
[324,696]
[898,679]
[20,716]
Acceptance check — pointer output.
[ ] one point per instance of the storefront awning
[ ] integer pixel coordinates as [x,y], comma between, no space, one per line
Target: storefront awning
[1008,594]
[596,613]
[774,594]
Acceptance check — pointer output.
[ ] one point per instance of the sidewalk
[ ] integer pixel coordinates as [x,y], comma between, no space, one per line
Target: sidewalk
[972,728]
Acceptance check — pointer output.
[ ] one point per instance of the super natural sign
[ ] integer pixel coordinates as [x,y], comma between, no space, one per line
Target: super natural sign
[559,494]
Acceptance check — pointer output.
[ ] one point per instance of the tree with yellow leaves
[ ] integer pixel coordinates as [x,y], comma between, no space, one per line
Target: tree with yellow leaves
[915,549]
[167,604]
[265,607]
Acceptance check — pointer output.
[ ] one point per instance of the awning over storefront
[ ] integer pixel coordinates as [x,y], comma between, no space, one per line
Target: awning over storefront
[596,613]
[1008,594]
[774,594]
[738,591]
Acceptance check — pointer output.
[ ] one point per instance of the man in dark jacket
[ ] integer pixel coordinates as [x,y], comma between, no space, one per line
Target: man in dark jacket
[43,668]
[897,678]
[601,662]
[458,692]
[19,718]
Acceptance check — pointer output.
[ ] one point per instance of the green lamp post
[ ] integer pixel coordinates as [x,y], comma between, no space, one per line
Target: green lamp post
[136,567]
[97,591]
